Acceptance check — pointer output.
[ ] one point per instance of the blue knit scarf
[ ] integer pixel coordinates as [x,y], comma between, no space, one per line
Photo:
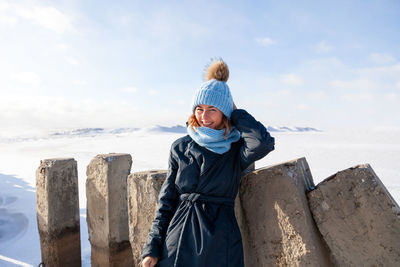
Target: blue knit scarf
[214,139]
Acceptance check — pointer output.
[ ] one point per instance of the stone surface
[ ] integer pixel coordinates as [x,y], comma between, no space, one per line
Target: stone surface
[107,209]
[143,190]
[358,218]
[57,207]
[275,220]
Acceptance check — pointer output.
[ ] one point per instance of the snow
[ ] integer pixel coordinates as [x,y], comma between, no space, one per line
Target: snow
[326,152]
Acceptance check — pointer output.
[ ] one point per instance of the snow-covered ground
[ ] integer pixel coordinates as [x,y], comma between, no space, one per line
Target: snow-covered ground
[326,152]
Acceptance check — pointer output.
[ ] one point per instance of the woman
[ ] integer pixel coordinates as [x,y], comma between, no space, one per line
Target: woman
[195,224]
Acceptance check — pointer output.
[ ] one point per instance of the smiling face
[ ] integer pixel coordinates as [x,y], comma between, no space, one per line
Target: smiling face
[209,116]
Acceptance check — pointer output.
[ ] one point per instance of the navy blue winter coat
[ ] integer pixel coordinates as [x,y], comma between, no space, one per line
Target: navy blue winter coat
[195,224]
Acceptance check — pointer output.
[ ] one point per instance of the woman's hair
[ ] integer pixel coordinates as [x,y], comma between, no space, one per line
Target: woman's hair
[226,123]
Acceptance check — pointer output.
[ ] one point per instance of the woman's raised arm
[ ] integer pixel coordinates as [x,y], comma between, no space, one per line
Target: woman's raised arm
[257,140]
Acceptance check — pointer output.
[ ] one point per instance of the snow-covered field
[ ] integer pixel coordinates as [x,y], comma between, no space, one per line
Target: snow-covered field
[326,152]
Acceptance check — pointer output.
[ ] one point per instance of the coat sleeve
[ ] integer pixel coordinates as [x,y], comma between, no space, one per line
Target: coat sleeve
[167,201]
[257,142]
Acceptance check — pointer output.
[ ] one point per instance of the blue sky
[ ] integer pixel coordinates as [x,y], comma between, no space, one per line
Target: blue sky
[325,64]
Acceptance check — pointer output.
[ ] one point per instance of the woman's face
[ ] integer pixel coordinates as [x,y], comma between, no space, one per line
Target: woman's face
[209,116]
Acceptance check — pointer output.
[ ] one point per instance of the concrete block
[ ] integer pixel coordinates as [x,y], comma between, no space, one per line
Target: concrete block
[276,223]
[143,190]
[358,218]
[107,210]
[57,206]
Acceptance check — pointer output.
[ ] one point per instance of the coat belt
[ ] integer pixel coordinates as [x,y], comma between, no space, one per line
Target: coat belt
[194,197]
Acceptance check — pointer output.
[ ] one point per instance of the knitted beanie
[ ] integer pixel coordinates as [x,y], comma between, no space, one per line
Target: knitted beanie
[215,92]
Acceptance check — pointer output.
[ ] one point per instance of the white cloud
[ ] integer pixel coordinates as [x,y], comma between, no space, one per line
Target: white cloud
[292,79]
[303,107]
[353,84]
[62,47]
[284,92]
[79,82]
[46,16]
[358,97]
[390,96]
[382,58]
[26,77]
[391,70]
[265,41]
[326,64]
[362,97]
[72,61]
[316,95]
[152,92]
[324,47]
[130,89]
[7,20]
[5,17]
[380,78]
[181,102]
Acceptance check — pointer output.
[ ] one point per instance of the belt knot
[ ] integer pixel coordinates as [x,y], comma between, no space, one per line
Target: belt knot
[193,197]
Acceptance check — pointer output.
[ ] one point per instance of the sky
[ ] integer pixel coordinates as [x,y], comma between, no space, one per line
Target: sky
[94,63]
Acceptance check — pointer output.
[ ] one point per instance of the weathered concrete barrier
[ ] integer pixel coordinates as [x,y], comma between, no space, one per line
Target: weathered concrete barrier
[143,190]
[358,221]
[358,218]
[275,220]
[107,211]
[57,207]
[272,212]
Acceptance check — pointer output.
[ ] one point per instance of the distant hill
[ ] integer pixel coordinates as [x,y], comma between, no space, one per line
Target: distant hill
[163,129]
[93,131]
[158,129]
[166,129]
[291,129]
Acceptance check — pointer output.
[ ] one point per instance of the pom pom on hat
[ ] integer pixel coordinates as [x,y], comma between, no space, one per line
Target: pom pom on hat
[217,70]
[215,92]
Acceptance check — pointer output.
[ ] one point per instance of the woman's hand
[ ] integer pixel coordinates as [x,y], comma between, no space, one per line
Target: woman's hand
[149,261]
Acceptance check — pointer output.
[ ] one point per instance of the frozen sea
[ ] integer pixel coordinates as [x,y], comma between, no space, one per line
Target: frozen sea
[327,152]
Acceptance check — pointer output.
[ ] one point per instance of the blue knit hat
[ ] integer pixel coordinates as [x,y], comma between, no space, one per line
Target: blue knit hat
[215,92]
